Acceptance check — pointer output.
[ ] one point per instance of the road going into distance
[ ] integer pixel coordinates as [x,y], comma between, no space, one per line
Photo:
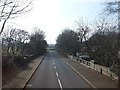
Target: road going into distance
[53,72]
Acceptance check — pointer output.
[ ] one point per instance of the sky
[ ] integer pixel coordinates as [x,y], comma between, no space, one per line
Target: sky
[53,16]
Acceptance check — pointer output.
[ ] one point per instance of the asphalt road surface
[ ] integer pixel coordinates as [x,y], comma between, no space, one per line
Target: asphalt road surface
[53,72]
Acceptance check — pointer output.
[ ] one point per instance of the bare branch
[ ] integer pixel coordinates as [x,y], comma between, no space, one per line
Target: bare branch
[10,9]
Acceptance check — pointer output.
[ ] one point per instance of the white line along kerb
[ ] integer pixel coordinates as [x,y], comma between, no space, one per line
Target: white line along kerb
[60,83]
[81,75]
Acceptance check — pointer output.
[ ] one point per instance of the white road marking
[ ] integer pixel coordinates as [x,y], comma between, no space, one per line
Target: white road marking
[29,85]
[60,84]
[54,67]
[56,73]
[81,75]
[53,63]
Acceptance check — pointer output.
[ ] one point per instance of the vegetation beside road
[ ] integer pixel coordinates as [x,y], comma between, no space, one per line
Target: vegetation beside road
[19,48]
[99,41]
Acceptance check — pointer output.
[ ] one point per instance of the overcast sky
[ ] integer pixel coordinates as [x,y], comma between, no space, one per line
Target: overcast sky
[52,16]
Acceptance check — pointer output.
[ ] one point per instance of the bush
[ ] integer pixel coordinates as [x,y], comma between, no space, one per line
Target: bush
[20,61]
[6,61]
[114,69]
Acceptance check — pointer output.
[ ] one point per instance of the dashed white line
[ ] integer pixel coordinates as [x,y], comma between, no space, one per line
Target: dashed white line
[53,63]
[56,73]
[29,85]
[60,84]
[54,67]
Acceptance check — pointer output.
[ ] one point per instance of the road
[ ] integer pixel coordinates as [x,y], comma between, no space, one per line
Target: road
[53,72]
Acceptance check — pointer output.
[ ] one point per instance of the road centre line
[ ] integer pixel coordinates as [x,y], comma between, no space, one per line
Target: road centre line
[29,85]
[60,84]
[57,76]
[56,73]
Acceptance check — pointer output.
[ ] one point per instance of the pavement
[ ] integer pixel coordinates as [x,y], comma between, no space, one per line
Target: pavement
[21,79]
[95,79]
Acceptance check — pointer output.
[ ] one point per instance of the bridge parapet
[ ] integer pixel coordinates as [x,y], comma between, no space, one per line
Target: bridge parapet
[99,68]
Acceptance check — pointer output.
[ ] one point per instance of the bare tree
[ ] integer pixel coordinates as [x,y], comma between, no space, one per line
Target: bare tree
[12,8]
[114,8]
[23,36]
[105,36]
[14,39]
[83,31]
[8,38]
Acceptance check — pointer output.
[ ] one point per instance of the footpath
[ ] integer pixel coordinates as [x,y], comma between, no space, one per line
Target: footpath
[21,79]
[93,78]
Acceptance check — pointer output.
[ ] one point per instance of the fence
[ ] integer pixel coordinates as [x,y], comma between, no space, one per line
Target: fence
[102,69]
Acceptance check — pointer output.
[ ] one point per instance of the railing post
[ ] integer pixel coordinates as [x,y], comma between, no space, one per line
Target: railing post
[101,70]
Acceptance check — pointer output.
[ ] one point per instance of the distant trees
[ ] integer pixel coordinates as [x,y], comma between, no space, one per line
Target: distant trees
[72,41]
[12,8]
[37,42]
[67,42]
